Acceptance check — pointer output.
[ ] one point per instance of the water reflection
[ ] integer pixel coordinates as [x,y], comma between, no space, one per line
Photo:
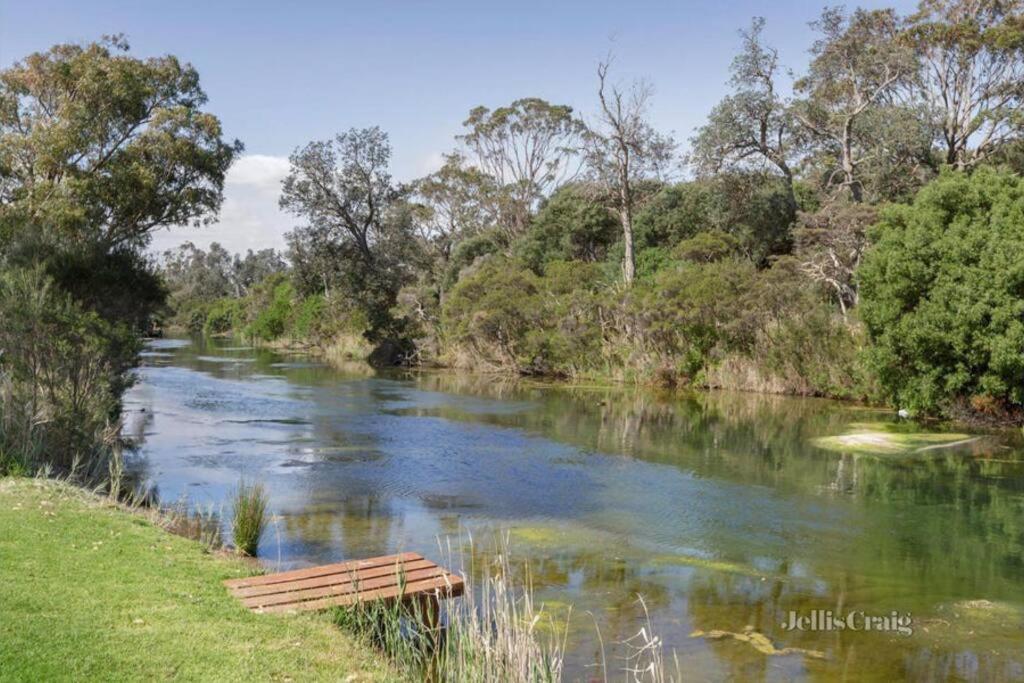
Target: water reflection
[716,508]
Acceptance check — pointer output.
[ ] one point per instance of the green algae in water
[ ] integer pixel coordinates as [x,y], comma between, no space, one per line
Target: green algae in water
[709,565]
[879,438]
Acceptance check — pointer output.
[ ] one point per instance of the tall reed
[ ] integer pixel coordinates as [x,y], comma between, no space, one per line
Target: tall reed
[249,517]
[489,634]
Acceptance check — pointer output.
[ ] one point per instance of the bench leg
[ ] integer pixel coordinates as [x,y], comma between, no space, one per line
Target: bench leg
[429,611]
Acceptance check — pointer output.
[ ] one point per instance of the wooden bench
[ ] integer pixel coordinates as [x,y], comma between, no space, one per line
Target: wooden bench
[405,577]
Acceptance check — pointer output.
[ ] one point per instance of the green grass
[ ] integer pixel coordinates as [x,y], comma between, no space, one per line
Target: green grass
[89,591]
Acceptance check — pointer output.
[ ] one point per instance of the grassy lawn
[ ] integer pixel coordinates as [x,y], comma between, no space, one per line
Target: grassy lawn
[90,592]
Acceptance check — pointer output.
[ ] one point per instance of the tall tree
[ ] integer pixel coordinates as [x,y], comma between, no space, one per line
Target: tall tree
[356,214]
[856,66]
[344,187]
[100,148]
[624,149]
[529,147]
[458,202]
[752,128]
[972,74]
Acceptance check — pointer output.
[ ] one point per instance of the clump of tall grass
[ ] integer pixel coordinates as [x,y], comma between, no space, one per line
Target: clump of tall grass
[249,517]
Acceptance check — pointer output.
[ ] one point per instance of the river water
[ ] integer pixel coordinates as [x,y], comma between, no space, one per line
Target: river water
[718,509]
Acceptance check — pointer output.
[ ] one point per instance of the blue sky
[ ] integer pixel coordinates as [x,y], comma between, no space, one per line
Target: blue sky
[282,73]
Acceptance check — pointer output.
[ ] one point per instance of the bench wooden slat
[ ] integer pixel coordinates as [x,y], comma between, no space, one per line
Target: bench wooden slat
[382,582]
[322,570]
[448,586]
[337,579]
[404,576]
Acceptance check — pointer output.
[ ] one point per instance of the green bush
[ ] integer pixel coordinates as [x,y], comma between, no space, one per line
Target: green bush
[570,226]
[273,319]
[309,317]
[223,316]
[691,309]
[942,294]
[62,372]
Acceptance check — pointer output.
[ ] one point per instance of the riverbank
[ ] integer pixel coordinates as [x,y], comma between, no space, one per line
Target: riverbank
[90,591]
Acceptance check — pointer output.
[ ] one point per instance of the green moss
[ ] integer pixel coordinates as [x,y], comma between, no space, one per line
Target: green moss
[91,592]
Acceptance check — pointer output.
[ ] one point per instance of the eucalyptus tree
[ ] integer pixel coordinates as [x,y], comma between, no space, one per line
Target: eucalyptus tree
[752,128]
[100,148]
[529,148]
[194,273]
[358,220]
[458,201]
[857,66]
[624,149]
[971,74]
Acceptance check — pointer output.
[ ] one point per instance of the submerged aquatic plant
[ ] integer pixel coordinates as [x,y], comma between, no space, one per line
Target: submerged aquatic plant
[249,517]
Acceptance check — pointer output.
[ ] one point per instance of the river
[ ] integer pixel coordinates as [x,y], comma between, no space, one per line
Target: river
[719,509]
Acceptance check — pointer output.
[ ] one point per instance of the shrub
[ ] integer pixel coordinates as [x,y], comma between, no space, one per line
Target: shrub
[249,517]
[223,316]
[466,254]
[942,293]
[691,309]
[273,319]
[491,311]
[570,226]
[62,372]
[309,317]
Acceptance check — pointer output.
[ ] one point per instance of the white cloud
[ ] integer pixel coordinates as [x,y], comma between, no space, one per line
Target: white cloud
[249,217]
[428,164]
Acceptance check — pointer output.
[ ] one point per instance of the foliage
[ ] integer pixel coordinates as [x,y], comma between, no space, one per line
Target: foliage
[101,148]
[830,244]
[248,517]
[460,201]
[753,128]
[193,274]
[570,226]
[528,147]
[943,293]
[466,254]
[223,316]
[62,372]
[623,151]
[274,312]
[97,150]
[971,75]
[360,236]
[675,213]
[856,66]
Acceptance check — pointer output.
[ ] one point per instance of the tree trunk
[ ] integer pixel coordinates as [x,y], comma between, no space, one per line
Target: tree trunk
[626,216]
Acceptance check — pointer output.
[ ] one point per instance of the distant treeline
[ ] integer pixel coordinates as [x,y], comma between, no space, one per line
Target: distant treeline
[848,231]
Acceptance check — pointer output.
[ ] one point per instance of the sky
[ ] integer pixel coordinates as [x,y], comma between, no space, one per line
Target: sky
[280,74]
